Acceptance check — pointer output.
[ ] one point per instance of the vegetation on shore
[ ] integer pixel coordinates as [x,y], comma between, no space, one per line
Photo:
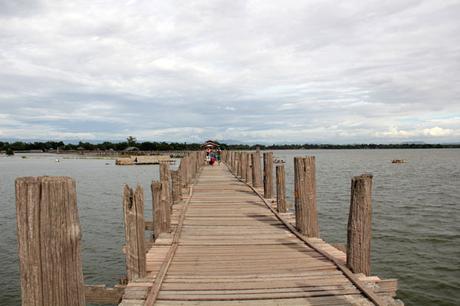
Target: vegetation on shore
[176,146]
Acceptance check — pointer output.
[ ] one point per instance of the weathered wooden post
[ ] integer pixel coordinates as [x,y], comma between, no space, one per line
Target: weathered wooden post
[229,161]
[248,168]
[280,189]
[256,173]
[238,164]
[360,225]
[184,168]
[189,169]
[193,165]
[243,165]
[268,175]
[176,186]
[305,196]
[133,207]
[165,175]
[160,208]
[48,230]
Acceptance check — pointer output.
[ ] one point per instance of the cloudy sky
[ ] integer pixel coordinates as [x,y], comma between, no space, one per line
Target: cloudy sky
[258,71]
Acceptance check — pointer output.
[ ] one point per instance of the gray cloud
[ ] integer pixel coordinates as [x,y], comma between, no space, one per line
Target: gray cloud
[251,70]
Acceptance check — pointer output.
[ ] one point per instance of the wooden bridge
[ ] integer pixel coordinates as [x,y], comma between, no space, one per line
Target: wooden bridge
[226,244]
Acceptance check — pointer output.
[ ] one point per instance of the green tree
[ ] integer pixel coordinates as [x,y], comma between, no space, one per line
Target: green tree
[131,141]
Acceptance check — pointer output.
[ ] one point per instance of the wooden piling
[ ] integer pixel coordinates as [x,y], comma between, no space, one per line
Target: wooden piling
[160,208]
[231,161]
[183,170]
[238,164]
[248,168]
[280,189]
[256,173]
[133,207]
[268,175]
[244,162]
[359,231]
[305,196]
[165,175]
[48,230]
[176,186]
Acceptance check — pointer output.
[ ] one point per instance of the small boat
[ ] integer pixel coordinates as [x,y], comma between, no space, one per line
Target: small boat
[398,161]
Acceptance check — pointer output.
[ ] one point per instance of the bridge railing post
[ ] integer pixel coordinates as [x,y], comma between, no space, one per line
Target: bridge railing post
[280,189]
[268,175]
[176,186]
[189,168]
[256,173]
[306,214]
[160,208]
[48,231]
[165,175]
[133,208]
[248,168]
[244,162]
[238,164]
[182,171]
[359,230]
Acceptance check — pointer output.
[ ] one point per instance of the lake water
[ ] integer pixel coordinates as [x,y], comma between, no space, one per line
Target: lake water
[416,214]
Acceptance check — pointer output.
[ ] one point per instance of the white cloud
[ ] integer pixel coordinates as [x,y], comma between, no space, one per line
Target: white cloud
[437,132]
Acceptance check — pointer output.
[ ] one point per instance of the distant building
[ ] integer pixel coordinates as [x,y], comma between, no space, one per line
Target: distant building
[210,144]
[131,149]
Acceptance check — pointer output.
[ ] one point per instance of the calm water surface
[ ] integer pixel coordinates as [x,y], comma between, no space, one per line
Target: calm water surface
[416,214]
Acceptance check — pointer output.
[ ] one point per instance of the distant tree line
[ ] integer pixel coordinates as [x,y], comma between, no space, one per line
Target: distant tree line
[350,146]
[107,145]
[176,146]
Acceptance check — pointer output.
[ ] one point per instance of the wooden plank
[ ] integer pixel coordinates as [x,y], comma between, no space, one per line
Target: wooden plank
[100,294]
[310,301]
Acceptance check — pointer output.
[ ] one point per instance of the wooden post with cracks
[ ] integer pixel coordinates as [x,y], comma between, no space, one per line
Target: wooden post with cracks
[248,168]
[160,208]
[176,186]
[48,231]
[359,231]
[280,189]
[268,175]
[133,207]
[305,196]
[256,173]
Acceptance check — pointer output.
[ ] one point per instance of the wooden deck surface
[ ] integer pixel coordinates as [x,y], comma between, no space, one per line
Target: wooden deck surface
[232,250]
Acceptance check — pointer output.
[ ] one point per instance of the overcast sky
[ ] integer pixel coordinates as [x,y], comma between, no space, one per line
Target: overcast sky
[258,71]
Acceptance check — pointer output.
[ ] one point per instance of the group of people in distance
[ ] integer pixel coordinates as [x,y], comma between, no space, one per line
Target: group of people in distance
[213,156]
